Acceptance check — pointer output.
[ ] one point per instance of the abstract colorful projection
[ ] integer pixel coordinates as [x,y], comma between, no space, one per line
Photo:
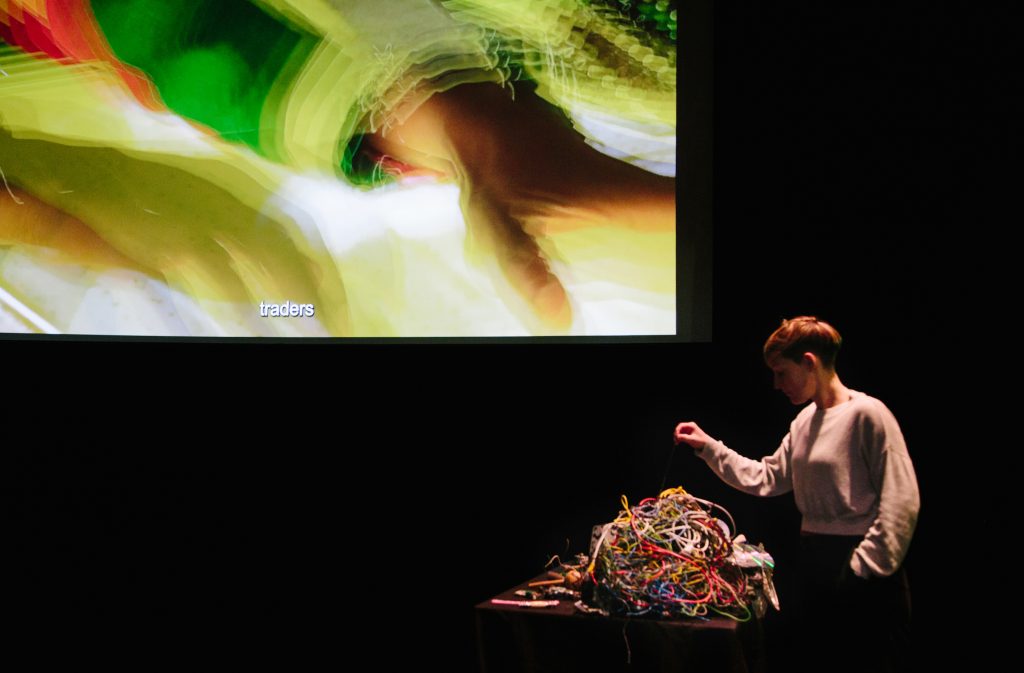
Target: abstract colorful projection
[206,167]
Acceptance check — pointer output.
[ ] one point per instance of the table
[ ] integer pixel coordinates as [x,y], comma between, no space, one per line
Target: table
[515,639]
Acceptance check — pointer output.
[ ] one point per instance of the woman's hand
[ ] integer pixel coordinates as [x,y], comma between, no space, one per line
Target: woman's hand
[468,135]
[524,173]
[690,433]
[492,227]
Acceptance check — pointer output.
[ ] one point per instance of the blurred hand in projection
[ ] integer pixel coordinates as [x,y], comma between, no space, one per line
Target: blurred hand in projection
[524,173]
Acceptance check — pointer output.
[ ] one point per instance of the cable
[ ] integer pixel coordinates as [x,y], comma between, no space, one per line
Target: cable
[670,556]
[671,455]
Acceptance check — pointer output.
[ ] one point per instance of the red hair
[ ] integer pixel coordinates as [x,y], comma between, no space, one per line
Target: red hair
[804,334]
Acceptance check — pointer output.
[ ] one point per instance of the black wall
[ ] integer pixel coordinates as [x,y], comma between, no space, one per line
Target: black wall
[280,488]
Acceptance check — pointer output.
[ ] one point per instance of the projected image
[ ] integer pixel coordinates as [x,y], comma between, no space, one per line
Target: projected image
[359,168]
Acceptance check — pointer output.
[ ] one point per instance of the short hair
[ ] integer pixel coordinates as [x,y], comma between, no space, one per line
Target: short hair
[804,334]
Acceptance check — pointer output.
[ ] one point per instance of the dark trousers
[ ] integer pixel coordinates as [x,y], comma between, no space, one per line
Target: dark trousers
[847,623]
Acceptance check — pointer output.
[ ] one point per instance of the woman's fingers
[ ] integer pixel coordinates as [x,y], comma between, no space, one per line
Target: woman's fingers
[690,433]
[520,258]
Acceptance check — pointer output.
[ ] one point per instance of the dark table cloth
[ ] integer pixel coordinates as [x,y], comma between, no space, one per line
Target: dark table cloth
[562,639]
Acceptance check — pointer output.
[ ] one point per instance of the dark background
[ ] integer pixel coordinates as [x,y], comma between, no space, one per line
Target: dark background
[286,501]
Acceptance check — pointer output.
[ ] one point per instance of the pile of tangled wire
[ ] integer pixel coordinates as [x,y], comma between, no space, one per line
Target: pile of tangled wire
[669,556]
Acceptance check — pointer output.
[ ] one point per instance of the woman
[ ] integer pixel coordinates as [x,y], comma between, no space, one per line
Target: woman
[846,462]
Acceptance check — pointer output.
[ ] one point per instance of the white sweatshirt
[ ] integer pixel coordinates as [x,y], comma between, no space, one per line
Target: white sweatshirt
[850,472]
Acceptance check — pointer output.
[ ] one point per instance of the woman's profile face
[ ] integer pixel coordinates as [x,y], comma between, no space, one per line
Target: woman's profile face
[795,379]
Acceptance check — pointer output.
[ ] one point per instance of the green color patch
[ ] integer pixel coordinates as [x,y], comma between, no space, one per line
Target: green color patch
[212,61]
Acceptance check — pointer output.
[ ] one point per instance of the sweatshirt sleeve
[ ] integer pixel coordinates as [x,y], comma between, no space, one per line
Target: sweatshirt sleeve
[884,547]
[770,475]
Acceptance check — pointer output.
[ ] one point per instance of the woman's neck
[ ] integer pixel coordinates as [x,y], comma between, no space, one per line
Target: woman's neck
[831,392]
